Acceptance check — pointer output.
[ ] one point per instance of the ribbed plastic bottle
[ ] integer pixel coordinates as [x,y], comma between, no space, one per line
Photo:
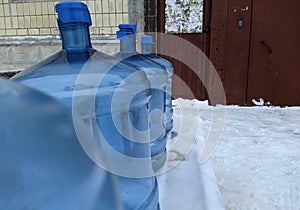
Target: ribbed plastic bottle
[88,81]
[42,166]
[157,75]
[146,43]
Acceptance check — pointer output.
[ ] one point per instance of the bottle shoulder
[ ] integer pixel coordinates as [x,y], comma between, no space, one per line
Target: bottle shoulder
[64,67]
[167,64]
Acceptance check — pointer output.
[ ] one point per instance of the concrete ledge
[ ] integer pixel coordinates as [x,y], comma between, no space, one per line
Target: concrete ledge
[21,52]
[52,40]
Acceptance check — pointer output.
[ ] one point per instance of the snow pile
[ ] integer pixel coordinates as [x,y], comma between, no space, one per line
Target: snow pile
[257,163]
[189,185]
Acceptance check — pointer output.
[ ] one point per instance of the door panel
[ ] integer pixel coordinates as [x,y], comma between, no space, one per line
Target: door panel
[274,65]
[238,43]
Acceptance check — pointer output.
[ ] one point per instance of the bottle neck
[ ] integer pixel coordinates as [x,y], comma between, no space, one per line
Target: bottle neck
[75,36]
[146,49]
[127,44]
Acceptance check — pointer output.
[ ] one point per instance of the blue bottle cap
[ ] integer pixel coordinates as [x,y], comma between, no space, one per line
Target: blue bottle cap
[129,28]
[73,12]
[121,34]
[147,40]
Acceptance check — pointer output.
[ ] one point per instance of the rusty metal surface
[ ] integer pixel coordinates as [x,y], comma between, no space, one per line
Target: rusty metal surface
[218,39]
[274,66]
[201,40]
[238,43]
[183,71]
[257,59]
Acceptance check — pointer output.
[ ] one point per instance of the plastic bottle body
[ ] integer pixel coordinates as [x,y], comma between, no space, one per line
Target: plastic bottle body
[168,97]
[41,161]
[78,73]
[157,76]
[58,78]
[147,51]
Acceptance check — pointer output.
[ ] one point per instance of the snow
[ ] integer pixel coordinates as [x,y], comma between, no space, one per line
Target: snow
[188,185]
[261,102]
[256,164]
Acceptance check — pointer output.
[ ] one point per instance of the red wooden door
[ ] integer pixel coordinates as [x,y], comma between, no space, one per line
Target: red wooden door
[274,64]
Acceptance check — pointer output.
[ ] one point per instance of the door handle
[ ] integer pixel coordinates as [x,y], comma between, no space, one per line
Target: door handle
[265,43]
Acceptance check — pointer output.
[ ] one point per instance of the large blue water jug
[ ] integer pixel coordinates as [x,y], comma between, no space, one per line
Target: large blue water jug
[146,43]
[42,164]
[106,95]
[157,75]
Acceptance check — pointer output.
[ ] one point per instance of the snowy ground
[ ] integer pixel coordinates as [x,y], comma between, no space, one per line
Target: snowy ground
[183,182]
[257,163]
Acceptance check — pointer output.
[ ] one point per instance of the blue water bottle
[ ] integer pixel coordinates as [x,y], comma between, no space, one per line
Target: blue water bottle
[105,94]
[157,75]
[146,43]
[42,164]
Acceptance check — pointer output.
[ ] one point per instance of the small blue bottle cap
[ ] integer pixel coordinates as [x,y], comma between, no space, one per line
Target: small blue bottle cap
[121,34]
[147,40]
[129,28]
[73,12]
